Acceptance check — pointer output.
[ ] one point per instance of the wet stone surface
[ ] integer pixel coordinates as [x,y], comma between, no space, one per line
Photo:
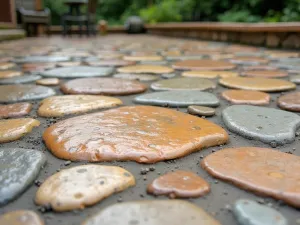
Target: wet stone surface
[15,110]
[21,217]
[19,168]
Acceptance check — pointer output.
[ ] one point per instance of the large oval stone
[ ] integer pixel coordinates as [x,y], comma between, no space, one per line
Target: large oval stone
[105,86]
[257,84]
[203,64]
[178,98]
[265,73]
[9,73]
[246,97]
[268,125]
[81,186]
[186,83]
[25,92]
[260,170]
[21,217]
[290,102]
[77,71]
[19,168]
[145,69]
[144,134]
[209,74]
[15,110]
[179,184]
[57,106]
[175,212]
[20,79]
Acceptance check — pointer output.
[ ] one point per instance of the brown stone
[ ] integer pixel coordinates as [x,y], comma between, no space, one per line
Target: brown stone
[290,102]
[81,186]
[179,184]
[48,81]
[201,110]
[143,58]
[145,134]
[14,129]
[112,62]
[6,65]
[57,106]
[249,60]
[246,97]
[9,73]
[203,64]
[209,74]
[145,69]
[15,110]
[21,217]
[265,73]
[260,170]
[31,67]
[105,86]
[257,84]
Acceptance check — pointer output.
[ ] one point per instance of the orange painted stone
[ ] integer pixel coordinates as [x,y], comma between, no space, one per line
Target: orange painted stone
[290,102]
[145,134]
[209,74]
[203,64]
[257,84]
[179,184]
[15,110]
[246,97]
[21,217]
[9,73]
[265,73]
[263,171]
[48,82]
[103,86]
[145,69]
[249,60]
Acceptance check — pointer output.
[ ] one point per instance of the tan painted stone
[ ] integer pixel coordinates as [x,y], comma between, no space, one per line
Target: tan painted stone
[257,84]
[201,110]
[57,106]
[21,217]
[260,170]
[246,97]
[14,129]
[6,65]
[265,73]
[9,73]
[145,69]
[249,60]
[179,184]
[209,74]
[48,81]
[67,64]
[145,134]
[203,64]
[15,110]
[81,186]
[143,58]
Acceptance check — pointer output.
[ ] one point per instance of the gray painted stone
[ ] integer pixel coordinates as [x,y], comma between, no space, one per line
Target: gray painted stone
[161,63]
[20,79]
[201,110]
[185,83]
[19,168]
[133,76]
[248,212]
[77,72]
[295,79]
[23,92]
[34,59]
[168,75]
[268,125]
[178,98]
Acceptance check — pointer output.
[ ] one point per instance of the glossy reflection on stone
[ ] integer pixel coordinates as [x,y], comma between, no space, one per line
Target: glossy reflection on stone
[15,110]
[145,134]
[21,217]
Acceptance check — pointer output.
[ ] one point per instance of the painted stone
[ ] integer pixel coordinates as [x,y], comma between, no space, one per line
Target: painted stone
[57,106]
[23,92]
[209,74]
[81,186]
[278,55]
[112,63]
[179,184]
[19,168]
[257,84]
[21,217]
[184,57]
[9,73]
[143,58]
[178,98]
[290,102]
[201,110]
[20,79]
[168,75]
[158,212]
[248,212]
[249,60]
[263,171]
[36,59]
[48,82]
[145,69]
[145,134]
[183,83]
[77,71]
[261,123]
[259,67]
[204,64]
[6,65]
[139,77]
[265,73]
[246,97]
[105,86]
[295,79]
[14,129]
[69,64]
[35,67]
[158,63]
[15,110]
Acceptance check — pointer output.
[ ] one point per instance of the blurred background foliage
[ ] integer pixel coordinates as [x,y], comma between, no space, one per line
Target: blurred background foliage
[154,11]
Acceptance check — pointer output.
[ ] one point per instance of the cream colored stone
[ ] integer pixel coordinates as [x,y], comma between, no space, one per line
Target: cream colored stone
[48,82]
[145,69]
[209,74]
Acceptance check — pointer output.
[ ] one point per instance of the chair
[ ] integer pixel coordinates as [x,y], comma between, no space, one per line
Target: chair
[88,19]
